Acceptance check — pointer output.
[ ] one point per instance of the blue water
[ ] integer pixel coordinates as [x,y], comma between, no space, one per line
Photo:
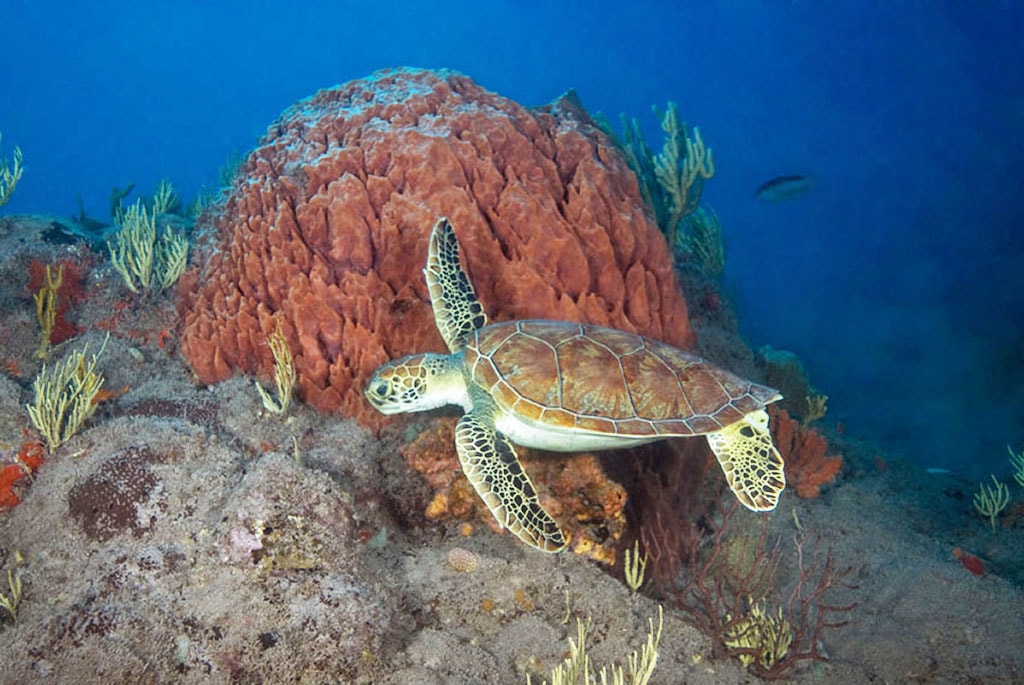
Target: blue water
[897,278]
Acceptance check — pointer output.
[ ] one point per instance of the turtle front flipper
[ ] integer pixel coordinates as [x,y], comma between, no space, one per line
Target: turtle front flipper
[457,311]
[753,467]
[490,463]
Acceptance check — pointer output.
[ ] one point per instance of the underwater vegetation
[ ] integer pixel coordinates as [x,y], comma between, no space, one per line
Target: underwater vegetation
[66,396]
[144,260]
[310,281]
[10,600]
[56,290]
[10,174]
[577,666]
[69,387]
[672,183]
[992,500]
[725,576]
[46,308]
[803,449]
[284,375]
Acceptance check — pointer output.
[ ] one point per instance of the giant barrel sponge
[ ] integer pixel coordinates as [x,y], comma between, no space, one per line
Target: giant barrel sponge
[325,227]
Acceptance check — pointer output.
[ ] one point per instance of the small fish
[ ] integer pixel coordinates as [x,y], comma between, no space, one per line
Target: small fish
[783,188]
[934,471]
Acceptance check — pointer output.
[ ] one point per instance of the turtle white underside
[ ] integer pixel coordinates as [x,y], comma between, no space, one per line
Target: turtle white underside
[555,439]
[752,466]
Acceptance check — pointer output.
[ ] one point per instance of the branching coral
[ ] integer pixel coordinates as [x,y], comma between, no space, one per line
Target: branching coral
[576,667]
[10,603]
[990,501]
[10,174]
[716,576]
[46,309]
[808,468]
[117,196]
[165,200]
[65,396]
[760,637]
[817,406]
[729,577]
[641,161]
[284,374]
[702,241]
[145,261]
[634,566]
[56,289]
[1017,464]
[672,183]
[681,168]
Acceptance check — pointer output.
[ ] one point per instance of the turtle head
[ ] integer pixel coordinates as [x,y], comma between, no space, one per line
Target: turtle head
[417,383]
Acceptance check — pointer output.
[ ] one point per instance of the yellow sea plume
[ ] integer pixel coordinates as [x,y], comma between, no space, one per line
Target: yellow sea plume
[284,374]
[10,603]
[990,501]
[672,181]
[681,168]
[761,636]
[576,668]
[634,567]
[165,200]
[10,174]
[65,396]
[46,308]
[702,239]
[1017,464]
[817,406]
[145,261]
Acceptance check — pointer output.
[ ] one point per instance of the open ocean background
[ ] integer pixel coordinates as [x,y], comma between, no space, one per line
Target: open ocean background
[897,278]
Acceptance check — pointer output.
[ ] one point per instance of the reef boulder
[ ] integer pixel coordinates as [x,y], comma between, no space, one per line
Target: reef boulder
[325,230]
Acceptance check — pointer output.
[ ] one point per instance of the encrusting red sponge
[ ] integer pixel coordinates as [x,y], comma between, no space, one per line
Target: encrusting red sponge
[969,561]
[29,459]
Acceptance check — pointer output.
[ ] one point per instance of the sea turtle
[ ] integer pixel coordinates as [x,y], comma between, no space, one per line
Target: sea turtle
[568,387]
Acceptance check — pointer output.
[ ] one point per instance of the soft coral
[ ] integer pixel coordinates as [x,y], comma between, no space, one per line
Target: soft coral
[808,468]
[28,460]
[9,475]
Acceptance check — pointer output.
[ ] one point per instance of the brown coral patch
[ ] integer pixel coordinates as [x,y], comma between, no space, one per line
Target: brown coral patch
[326,232]
[200,412]
[108,501]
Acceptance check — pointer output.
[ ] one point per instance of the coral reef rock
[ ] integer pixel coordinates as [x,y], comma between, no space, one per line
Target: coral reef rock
[325,232]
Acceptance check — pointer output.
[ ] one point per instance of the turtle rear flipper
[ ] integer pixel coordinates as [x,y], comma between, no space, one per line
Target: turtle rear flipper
[490,463]
[753,467]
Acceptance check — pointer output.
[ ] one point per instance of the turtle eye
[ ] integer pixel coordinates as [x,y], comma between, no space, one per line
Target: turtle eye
[381,389]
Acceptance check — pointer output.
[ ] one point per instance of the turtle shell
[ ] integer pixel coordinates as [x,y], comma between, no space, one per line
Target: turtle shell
[579,377]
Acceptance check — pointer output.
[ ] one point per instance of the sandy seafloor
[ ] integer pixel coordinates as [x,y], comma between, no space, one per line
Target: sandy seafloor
[203,551]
